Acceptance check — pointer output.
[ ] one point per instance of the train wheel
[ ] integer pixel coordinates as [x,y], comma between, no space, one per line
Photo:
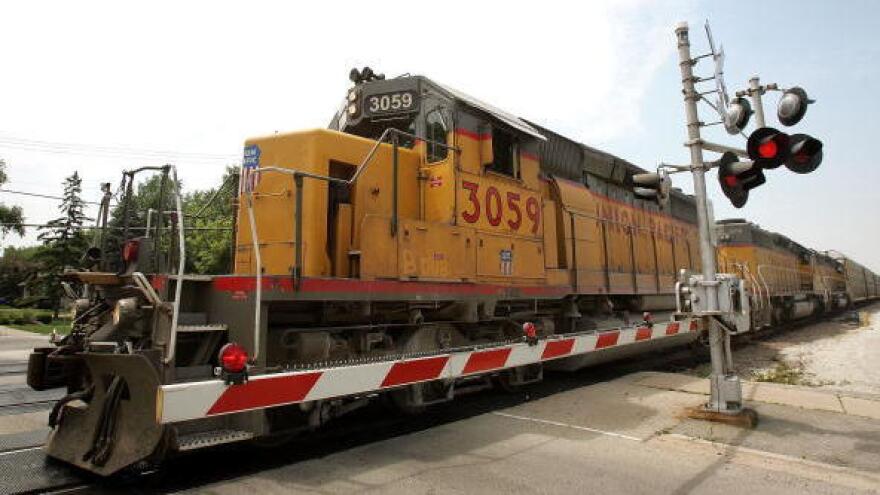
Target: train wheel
[513,380]
[413,399]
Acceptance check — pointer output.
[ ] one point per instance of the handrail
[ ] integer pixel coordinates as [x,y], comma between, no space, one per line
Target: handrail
[181,265]
[259,278]
[763,294]
[382,138]
[763,280]
[754,281]
[746,274]
[141,280]
[150,212]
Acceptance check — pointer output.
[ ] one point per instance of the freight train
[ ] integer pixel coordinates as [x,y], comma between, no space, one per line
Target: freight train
[425,245]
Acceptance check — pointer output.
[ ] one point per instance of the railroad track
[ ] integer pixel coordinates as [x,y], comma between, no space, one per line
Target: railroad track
[13,368]
[18,399]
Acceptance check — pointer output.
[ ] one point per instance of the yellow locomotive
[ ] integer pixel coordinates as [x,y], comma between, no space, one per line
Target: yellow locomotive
[417,182]
[425,245]
[786,280]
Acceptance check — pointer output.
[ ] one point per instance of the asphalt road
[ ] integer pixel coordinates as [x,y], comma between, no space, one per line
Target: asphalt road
[611,437]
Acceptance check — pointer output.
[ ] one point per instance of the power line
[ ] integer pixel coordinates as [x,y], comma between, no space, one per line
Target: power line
[112,151]
[85,227]
[44,196]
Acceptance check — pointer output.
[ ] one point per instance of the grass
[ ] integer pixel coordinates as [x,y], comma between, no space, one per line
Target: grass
[33,320]
[781,373]
[60,325]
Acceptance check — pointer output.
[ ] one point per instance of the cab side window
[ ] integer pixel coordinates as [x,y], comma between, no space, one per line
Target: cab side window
[505,153]
[436,131]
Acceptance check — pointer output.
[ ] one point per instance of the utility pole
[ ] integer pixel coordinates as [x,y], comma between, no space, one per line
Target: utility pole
[726,390]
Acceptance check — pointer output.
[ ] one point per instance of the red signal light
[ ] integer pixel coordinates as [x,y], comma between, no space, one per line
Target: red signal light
[737,178]
[233,358]
[768,149]
[806,154]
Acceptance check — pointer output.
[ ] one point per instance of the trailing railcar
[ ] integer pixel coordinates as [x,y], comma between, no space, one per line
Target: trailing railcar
[786,280]
[861,283]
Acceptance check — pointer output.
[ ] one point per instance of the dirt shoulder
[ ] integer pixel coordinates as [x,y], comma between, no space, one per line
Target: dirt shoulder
[839,354]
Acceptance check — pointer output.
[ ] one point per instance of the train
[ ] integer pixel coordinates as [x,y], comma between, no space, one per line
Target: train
[424,245]
[788,281]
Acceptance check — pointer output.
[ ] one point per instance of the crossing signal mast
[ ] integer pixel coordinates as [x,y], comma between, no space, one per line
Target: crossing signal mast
[720,300]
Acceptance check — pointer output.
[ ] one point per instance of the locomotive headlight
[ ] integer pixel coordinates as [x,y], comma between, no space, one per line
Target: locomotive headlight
[352,95]
[352,109]
[125,310]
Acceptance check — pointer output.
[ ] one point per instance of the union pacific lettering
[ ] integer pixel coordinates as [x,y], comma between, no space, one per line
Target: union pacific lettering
[622,217]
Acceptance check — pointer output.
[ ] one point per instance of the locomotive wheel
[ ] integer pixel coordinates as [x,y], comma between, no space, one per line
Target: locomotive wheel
[413,399]
[515,379]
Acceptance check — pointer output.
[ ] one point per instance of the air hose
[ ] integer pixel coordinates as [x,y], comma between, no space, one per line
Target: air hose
[102,442]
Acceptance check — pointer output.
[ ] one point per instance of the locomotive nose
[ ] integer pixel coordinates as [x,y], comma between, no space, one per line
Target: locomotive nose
[114,425]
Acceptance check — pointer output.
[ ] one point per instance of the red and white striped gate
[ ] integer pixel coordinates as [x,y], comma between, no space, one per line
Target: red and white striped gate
[186,401]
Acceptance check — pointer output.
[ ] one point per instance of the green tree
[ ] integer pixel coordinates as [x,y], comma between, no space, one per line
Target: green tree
[64,239]
[17,266]
[208,250]
[11,217]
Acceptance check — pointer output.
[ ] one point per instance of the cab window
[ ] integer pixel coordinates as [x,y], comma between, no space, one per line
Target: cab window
[505,153]
[436,132]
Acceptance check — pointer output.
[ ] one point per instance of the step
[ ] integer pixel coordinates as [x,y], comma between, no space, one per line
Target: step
[191,318]
[192,441]
[208,327]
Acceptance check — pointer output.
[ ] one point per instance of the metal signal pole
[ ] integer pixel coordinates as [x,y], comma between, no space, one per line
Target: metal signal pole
[755,91]
[726,390]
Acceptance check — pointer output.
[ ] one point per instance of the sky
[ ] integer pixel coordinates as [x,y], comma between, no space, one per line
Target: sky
[98,87]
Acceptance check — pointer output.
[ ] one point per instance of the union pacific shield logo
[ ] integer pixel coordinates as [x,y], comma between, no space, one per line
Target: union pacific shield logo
[249,164]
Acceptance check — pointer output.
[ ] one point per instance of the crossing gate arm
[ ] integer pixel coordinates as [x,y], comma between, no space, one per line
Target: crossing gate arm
[193,400]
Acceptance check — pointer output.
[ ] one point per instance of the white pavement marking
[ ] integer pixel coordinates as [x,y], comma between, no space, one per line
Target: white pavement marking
[566,425]
[16,451]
